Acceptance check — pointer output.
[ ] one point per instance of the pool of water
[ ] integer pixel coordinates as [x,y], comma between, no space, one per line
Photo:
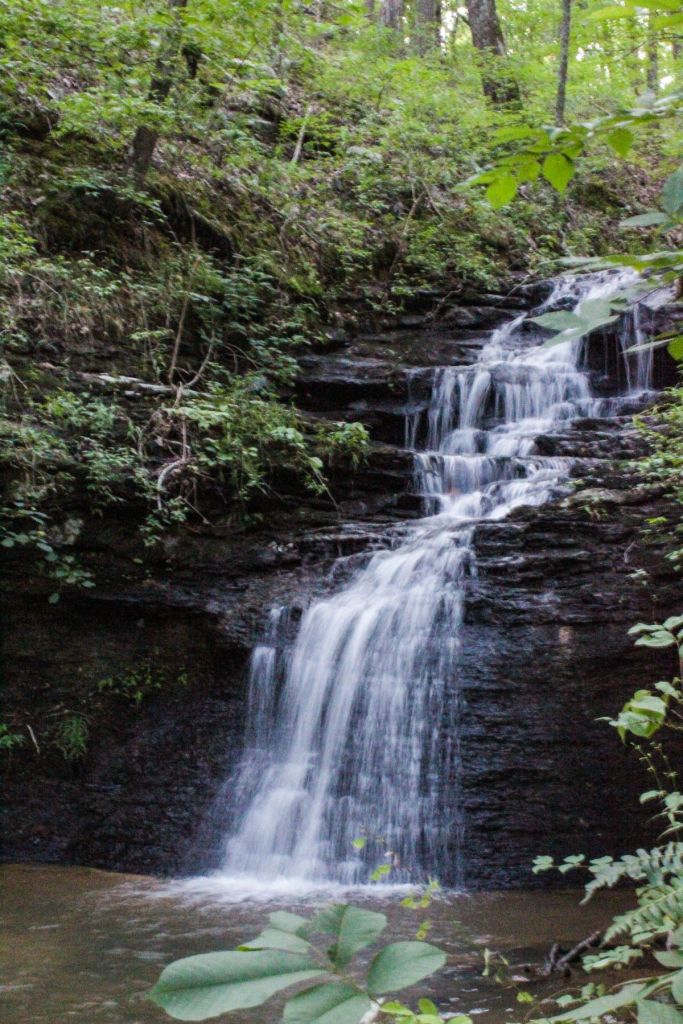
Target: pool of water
[79,946]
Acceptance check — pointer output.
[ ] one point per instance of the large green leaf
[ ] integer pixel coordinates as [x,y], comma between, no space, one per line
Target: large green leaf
[502,190]
[332,1003]
[402,964]
[675,348]
[213,983]
[621,140]
[672,193]
[288,922]
[286,932]
[650,1012]
[677,987]
[558,170]
[561,321]
[276,938]
[572,326]
[352,928]
[610,13]
[625,996]
[644,220]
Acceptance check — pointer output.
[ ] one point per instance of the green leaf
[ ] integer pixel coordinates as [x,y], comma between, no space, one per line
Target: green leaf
[287,922]
[213,983]
[276,938]
[675,348]
[644,220]
[393,1006]
[625,996]
[427,1006]
[502,190]
[402,964]
[651,794]
[656,640]
[558,170]
[380,872]
[621,140]
[335,1002]
[659,5]
[562,321]
[359,844]
[527,168]
[670,958]
[668,20]
[611,13]
[543,863]
[515,132]
[677,983]
[353,928]
[595,310]
[672,193]
[650,1012]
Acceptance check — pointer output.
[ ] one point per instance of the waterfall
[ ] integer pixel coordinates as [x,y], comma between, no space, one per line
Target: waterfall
[353,727]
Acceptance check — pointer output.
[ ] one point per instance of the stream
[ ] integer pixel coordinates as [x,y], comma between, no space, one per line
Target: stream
[80,946]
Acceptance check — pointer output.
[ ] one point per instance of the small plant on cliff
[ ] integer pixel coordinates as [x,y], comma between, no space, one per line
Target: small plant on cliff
[71,735]
[140,682]
[9,739]
[293,949]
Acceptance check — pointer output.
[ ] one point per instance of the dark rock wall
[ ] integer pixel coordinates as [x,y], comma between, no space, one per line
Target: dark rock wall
[544,651]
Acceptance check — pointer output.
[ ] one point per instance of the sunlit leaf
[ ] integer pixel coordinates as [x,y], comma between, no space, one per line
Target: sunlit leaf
[644,220]
[672,192]
[351,927]
[502,190]
[558,170]
[621,140]
[402,964]
[214,983]
[333,1003]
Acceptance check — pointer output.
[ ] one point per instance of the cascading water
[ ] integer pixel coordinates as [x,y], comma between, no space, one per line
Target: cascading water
[353,729]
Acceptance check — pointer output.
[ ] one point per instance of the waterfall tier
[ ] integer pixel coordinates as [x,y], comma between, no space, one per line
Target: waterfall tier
[353,729]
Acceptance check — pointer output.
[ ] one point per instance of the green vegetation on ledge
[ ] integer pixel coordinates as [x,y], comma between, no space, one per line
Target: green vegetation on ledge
[194,191]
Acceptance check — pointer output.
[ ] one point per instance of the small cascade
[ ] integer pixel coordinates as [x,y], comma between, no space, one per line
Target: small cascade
[353,728]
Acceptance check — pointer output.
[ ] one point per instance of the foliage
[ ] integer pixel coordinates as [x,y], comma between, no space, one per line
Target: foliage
[293,949]
[140,682]
[71,735]
[9,739]
[295,163]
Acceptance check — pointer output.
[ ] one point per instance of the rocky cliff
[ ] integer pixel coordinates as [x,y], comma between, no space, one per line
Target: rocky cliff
[154,658]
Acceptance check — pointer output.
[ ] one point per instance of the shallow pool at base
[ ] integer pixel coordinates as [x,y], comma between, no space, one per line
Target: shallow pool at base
[79,946]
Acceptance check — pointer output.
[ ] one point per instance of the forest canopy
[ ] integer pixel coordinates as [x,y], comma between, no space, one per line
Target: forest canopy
[194,191]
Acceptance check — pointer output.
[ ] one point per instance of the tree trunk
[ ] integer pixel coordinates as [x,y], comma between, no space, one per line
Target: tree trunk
[391,13]
[146,138]
[427,25]
[487,36]
[652,74]
[565,30]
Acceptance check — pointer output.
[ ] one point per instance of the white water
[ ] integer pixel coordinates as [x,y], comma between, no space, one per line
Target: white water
[353,729]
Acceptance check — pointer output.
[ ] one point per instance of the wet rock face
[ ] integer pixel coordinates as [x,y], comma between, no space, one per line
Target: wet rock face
[545,654]
[544,647]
